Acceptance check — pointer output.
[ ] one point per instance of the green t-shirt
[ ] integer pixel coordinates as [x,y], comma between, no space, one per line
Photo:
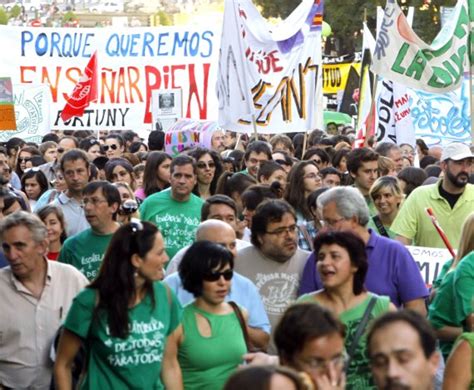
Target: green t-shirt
[85,251]
[177,221]
[442,309]
[469,337]
[223,350]
[131,363]
[359,375]
[413,222]
[464,288]
[372,225]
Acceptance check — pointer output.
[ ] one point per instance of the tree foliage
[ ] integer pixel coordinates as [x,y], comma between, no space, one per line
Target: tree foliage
[164,18]
[346,17]
[3,16]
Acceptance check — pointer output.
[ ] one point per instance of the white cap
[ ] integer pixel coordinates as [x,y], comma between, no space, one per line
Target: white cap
[456,151]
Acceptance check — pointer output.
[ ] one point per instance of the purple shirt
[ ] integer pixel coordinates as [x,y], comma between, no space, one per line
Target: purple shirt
[392,272]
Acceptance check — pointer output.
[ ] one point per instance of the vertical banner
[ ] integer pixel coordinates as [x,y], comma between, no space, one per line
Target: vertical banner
[393,120]
[7,111]
[270,78]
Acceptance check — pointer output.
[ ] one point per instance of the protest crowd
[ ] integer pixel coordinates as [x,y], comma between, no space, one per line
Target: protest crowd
[126,267]
[270,249]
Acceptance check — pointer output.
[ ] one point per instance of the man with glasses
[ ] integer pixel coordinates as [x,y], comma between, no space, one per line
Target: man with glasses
[86,250]
[76,171]
[392,270]
[176,211]
[273,262]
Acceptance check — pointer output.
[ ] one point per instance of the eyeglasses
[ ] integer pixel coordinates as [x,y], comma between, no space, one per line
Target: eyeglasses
[319,365]
[331,222]
[313,176]
[285,229]
[204,165]
[113,147]
[92,201]
[282,162]
[215,276]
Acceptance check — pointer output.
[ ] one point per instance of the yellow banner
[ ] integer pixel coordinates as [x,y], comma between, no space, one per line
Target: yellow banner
[335,76]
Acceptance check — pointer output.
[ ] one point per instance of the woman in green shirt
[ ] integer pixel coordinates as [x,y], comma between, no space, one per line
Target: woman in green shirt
[210,343]
[442,309]
[342,265]
[387,196]
[125,318]
[459,372]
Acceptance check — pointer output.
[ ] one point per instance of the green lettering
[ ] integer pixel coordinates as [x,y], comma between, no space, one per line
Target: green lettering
[458,60]
[440,78]
[436,53]
[462,27]
[396,67]
[417,66]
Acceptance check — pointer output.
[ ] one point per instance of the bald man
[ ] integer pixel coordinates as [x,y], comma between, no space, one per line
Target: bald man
[243,291]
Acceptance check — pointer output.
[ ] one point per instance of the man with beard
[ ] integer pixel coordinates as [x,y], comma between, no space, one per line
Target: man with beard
[402,351]
[273,261]
[451,199]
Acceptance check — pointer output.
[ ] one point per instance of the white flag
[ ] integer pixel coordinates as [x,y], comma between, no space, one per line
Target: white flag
[270,75]
[401,56]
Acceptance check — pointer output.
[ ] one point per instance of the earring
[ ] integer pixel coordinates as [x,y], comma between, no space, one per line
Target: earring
[135,274]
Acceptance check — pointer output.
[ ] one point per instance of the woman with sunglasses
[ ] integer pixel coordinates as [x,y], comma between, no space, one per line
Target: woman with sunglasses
[126,318]
[342,264]
[210,339]
[24,156]
[209,168]
[114,146]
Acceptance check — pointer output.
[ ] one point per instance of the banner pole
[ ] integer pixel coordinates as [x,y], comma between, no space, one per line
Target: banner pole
[305,141]
[248,97]
[470,10]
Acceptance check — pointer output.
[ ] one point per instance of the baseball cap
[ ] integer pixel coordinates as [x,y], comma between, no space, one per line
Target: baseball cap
[456,151]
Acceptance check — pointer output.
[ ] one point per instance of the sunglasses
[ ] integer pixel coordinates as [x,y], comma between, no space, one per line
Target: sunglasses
[113,147]
[282,162]
[203,165]
[24,159]
[215,276]
[60,150]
